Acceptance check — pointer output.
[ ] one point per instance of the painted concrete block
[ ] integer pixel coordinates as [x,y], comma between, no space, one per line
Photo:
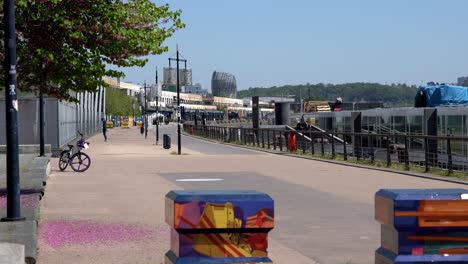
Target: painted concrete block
[422,226]
[219,226]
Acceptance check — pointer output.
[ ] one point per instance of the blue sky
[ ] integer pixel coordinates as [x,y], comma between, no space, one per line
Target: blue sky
[271,43]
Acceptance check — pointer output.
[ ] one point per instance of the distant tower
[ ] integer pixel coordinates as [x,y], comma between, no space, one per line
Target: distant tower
[223,84]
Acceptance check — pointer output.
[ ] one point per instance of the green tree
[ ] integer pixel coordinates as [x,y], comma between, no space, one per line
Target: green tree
[66,46]
[391,95]
[118,103]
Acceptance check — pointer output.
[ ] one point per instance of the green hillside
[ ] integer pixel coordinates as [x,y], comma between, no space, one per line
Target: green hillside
[391,95]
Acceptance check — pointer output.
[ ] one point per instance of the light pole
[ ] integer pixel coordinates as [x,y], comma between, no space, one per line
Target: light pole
[41,124]
[177,59]
[11,115]
[157,107]
[146,113]
[133,113]
[41,113]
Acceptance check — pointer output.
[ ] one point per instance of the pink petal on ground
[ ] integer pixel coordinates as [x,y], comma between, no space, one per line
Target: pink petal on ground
[26,201]
[64,233]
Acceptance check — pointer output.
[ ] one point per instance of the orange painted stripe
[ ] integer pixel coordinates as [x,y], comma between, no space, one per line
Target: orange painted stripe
[187,221]
[433,214]
[219,240]
[438,238]
[215,242]
[205,217]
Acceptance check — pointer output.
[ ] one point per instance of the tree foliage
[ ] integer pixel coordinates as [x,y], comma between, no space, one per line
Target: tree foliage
[119,104]
[392,95]
[66,46]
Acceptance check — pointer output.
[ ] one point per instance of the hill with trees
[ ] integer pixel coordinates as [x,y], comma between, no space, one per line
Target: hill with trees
[391,95]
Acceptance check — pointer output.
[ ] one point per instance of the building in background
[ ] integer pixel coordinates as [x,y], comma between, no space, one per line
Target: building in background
[223,85]
[129,89]
[194,89]
[463,81]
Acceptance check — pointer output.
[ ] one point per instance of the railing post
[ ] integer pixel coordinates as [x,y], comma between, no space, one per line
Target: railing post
[426,158]
[256,135]
[281,141]
[370,142]
[268,138]
[304,145]
[242,136]
[406,154]
[263,138]
[333,144]
[321,144]
[252,137]
[312,147]
[449,156]
[389,158]
[274,139]
[247,136]
[345,152]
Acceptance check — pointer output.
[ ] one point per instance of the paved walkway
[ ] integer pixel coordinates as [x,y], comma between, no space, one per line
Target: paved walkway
[114,212]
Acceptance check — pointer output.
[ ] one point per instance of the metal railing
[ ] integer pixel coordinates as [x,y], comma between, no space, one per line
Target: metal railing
[440,154]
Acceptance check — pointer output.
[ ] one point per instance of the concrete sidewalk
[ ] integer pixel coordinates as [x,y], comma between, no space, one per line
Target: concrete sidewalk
[114,212]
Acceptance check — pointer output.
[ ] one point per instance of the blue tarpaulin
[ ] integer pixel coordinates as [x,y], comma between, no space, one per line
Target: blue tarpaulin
[444,95]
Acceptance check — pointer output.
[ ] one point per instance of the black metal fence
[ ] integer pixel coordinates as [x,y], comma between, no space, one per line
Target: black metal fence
[445,154]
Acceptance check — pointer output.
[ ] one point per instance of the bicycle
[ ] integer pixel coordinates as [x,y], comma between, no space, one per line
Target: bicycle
[79,161]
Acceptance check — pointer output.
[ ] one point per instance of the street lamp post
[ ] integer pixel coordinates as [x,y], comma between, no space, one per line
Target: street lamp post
[133,114]
[177,59]
[11,115]
[146,115]
[41,124]
[157,107]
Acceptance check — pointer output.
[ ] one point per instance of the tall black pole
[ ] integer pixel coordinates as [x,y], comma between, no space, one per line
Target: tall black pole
[41,124]
[179,147]
[11,114]
[157,107]
[146,115]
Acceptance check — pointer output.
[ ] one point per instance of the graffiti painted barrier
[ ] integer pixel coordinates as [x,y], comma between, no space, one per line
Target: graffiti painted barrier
[422,226]
[219,226]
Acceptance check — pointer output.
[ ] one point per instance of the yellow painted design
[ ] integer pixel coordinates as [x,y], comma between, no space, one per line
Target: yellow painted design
[217,216]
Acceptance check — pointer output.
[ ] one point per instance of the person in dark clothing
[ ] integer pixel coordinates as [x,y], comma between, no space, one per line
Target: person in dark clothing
[104,128]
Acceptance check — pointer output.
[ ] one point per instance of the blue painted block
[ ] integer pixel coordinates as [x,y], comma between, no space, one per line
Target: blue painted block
[422,226]
[219,226]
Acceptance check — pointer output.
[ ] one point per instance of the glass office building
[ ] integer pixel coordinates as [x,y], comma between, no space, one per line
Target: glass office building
[223,85]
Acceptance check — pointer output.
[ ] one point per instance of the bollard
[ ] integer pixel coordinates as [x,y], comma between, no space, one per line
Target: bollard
[422,226]
[292,141]
[219,226]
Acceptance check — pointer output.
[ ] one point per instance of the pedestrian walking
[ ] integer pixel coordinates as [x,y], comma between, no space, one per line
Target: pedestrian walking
[104,128]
